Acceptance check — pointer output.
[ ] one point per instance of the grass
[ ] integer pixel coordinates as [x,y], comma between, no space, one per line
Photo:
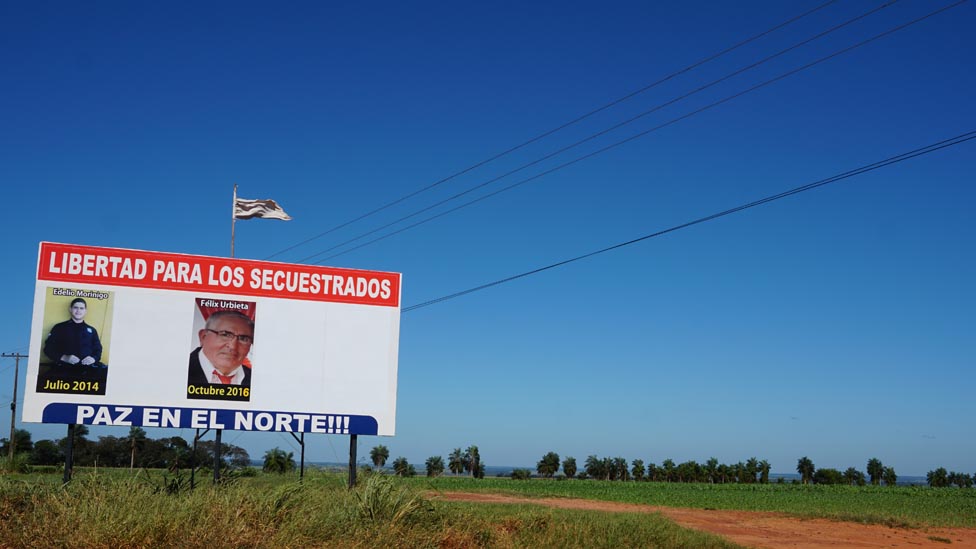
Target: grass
[120,508]
[126,509]
[893,506]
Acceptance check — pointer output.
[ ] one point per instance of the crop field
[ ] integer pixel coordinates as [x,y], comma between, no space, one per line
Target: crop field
[117,507]
[899,505]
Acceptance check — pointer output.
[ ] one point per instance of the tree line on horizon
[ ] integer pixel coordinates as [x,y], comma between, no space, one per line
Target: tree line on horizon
[138,450]
[751,471]
[458,462]
[135,450]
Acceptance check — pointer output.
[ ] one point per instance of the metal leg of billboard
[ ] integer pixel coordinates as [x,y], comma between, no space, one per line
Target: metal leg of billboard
[193,461]
[195,465]
[69,453]
[217,458]
[301,442]
[352,461]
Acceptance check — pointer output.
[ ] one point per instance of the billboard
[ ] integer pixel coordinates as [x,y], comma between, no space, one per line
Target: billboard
[152,339]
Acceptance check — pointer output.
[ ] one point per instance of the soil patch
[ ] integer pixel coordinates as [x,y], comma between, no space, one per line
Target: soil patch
[759,529]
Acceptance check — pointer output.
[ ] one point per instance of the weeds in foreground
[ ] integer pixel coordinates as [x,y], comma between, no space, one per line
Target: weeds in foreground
[126,510]
[19,463]
[380,500]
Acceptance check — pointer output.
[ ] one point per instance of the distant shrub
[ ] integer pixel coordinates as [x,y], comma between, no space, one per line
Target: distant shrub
[521,474]
[244,472]
[828,476]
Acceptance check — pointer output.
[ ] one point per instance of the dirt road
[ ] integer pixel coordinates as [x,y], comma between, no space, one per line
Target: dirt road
[760,529]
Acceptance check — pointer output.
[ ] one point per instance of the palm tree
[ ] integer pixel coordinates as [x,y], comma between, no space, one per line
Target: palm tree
[875,470]
[938,478]
[668,467]
[569,467]
[752,469]
[724,472]
[277,460]
[637,470]
[379,455]
[853,476]
[548,465]
[435,466]
[764,472]
[653,472]
[594,467]
[455,461]
[137,436]
[472,461]
[890,478]
[619,466]
[689,471]
[739,472]
[711,470]
[401,467]
[805,467]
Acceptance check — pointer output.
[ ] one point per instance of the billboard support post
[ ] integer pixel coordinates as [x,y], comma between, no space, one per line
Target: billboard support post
[193,461]
[301,442]
[216,463]
[195,466]
[352,461]
[69,453]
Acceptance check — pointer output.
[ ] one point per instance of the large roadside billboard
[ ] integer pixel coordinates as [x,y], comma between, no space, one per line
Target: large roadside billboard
[153,339]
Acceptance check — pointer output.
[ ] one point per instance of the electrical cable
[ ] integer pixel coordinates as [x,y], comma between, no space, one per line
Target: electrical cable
[962,138]
[609,129]
[559,128]
[648,131]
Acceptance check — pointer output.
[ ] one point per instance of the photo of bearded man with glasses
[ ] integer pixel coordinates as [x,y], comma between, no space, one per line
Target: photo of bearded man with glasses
[218,367]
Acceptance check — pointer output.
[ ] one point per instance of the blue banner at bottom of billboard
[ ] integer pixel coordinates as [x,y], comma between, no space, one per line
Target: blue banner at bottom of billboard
[205,418]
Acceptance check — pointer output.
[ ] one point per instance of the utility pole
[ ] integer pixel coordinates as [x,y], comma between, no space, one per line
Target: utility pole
[13,403]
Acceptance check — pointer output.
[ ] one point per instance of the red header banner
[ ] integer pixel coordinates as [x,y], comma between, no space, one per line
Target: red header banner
[169,271]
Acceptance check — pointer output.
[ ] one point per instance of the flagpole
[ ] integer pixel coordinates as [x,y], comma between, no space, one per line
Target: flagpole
[233,219]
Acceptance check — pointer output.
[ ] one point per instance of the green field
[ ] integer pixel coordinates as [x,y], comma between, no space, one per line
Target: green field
[900,505]
[120,509]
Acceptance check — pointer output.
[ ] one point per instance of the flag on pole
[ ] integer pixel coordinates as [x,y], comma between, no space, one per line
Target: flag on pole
[267,209]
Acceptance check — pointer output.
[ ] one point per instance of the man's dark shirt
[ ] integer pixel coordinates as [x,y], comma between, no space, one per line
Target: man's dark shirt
[73,338]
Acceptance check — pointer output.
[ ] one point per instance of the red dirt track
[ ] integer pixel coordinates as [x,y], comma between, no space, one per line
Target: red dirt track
[759,529]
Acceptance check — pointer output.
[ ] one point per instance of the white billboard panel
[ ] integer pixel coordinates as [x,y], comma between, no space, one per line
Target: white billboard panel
[152,339]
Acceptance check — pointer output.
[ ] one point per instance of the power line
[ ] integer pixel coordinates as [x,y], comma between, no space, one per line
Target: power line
[962,138]
[610,129]
[646,132]
[559,128]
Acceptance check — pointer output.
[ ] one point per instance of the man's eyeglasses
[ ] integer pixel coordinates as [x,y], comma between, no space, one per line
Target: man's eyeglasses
[227,337]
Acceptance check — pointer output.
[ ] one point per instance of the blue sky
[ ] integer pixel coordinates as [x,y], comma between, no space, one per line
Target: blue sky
[836,324]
